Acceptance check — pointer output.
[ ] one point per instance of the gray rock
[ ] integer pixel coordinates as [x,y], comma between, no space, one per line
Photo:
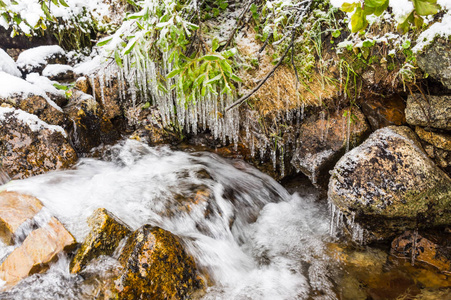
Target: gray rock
[429,111]
[388,185]
[436,61]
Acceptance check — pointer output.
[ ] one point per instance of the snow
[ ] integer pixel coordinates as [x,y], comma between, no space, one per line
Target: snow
[8,65]
[442,29]
[44,83]
[32,121]
[14,86]
[38,56]
[56,69]
[88,67]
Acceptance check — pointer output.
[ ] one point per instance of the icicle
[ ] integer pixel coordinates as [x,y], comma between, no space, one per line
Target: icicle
[102,88]
[93,85]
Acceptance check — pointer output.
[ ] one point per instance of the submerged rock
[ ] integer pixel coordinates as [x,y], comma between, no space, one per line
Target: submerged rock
[15,209]
[323,140]
[106,233]
[417,248]
[429,111]
[436,61]
[156,267]
[39,249]
[388,185]
[29,146]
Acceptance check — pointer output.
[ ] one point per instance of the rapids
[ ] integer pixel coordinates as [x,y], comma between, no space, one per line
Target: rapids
[258,241]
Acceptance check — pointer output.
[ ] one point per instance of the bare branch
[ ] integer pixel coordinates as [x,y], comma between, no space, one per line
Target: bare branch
[232,33]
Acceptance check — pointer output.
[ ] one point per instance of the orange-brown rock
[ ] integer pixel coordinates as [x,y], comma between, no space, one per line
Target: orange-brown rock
[156,267]
[106,233]
[39,249]
[413,246]
[439,140]
[322,140]
[82,84]
[15,209]
[382,112]
[29,146]
[107,94]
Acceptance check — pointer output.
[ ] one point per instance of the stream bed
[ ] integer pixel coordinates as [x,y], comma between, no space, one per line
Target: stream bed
[254,238]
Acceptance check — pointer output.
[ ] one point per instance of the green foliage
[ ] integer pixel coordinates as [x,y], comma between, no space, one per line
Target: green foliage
[360,12]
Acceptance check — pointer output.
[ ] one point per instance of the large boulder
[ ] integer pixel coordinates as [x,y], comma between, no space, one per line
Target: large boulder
[30,98]
[388,185]
[436,61]
[40,248]
[15,209]
[106,233]
[429,111]
[322,141]
[29,146]
[156,267]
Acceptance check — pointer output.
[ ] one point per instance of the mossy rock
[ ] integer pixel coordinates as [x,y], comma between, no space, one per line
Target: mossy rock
[388,185]
[156,267]
[106,233]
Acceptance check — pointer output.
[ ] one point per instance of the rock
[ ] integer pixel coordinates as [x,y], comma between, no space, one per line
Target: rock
[436,61]
[58,72]
[439,140]
[106,233]
[48,86]
[30,98]
[8,65]
[429,111]
[383,112]
[35,59]
[90,127]
[107,94]
[388,185]
[29,146]
[156,267]
[15,209]
[323,140]
[39,249]
[441,157]
[151,130]
[414,247]
[82,84]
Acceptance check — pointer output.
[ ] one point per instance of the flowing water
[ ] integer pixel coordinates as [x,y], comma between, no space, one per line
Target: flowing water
[252,237]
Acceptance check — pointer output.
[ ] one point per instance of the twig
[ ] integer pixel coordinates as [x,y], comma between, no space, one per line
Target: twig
[244,98]
[232,33]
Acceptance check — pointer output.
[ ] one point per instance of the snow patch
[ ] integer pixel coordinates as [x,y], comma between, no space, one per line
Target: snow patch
[55,70]
[8,65]
[32,121]
[442,29]
[38,56]
[44,83]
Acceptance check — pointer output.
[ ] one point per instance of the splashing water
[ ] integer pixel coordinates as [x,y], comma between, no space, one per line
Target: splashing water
[255,240]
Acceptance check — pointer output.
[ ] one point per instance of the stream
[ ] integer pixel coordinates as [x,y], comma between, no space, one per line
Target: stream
[253,238]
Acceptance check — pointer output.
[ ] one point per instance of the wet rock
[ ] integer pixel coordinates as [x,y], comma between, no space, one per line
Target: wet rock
[8,65]
[383,112]
[441,157]
[29,146]
[323,140]
[30,98]
[417,248]
[439,140]
[36,59]
[436,61]
[106,233]
[107,94]
[429,111]
[388,185]
[39,249]
[90,127]
[15,209]
[48,86]
[152,131]
[58,72]
[82,84]
[156,267]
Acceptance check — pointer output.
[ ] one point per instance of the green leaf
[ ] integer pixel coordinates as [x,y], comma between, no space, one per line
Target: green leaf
[129,47]
[216,78]
[349,7]
[375,3]
[117,58]
[228,53]
[211,57]
[358,20]
[63,3]
[61,87]
[45,9]
[225,66]
[426,7]
[223,5]
[104,41]
[214,44]
[236,78]
[336,33]
[174,72]
[406,44]
[55,2]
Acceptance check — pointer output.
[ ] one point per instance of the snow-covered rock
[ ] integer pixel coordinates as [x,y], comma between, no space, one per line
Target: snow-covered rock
[35,59]
[388,185]
[58,72]
[29,97]
[30,146]
[8,65]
